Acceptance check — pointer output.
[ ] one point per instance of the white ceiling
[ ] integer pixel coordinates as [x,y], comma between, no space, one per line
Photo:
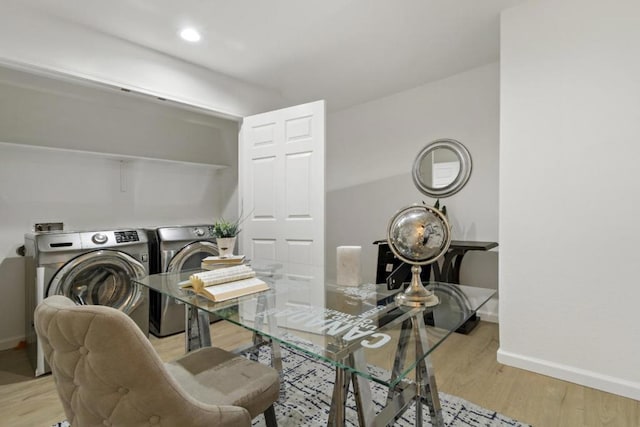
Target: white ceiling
[344,51]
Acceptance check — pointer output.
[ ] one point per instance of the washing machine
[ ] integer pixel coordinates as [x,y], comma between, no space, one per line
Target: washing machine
[175,249]
[89,267]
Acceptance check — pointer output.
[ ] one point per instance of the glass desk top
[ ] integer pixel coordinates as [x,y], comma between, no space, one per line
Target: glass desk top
[331,322]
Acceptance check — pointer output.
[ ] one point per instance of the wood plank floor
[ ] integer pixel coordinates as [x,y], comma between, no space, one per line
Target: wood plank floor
[465,366]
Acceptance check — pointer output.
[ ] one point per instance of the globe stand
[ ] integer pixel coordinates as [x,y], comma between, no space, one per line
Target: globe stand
[416,295]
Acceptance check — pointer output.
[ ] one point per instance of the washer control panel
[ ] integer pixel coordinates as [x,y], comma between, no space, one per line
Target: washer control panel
[199,232]
[126,236]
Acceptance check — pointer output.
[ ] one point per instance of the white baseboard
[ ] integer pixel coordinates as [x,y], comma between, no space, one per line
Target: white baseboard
[583,377]
[9,343]
[489,311]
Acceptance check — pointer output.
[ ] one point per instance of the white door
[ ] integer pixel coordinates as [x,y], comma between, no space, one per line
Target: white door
[282,191]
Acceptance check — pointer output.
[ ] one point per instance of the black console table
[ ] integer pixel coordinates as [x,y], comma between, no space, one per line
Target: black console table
[393,271]
[450,271]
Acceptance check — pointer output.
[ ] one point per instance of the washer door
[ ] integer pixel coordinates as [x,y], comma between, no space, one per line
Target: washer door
[101,277]
[190,256]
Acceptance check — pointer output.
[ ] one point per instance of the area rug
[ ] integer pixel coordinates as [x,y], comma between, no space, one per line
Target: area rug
[306,399]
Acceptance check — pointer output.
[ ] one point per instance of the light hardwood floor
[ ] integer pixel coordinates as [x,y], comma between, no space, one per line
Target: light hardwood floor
[465,366]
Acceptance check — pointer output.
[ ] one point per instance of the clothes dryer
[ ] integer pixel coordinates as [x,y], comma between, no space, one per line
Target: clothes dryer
[93,267]
[175,249]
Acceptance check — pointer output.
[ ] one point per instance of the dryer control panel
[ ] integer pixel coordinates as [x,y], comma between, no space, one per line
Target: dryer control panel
[127,236]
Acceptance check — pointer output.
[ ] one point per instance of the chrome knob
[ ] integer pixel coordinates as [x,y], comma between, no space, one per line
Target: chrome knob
[99,238]
[198,232]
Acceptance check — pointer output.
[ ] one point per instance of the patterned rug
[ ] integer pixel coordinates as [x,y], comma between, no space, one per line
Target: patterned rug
[307,388]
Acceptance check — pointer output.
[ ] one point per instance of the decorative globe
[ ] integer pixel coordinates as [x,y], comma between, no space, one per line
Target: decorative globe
[418,235]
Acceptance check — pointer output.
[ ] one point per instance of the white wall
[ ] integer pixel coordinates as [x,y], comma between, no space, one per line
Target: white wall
[370,152]
[43,111]
[84,192]
[31,38]
[569,195]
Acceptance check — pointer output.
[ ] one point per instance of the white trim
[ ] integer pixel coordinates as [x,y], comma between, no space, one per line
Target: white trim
[489,311]
[10,343]
[583,377]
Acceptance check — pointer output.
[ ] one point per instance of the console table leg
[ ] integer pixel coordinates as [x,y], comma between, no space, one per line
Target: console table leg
[445,271]
[455,276]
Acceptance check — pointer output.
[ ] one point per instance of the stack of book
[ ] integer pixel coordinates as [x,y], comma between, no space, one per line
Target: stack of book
[216,262]
[226,282]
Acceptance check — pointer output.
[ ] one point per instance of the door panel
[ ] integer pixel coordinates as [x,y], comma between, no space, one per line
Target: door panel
[264,188]
[298,180]
[262,249]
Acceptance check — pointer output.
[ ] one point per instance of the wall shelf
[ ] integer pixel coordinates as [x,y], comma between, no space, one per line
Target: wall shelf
[64,114]
[110,156]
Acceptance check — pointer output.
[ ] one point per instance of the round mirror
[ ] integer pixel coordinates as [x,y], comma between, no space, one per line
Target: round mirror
[442,168]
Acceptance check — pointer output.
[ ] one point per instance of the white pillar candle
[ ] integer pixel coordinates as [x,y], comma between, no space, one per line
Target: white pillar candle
[348,265]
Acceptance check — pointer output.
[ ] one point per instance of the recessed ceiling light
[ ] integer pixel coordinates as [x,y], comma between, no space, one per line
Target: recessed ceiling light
[190,35]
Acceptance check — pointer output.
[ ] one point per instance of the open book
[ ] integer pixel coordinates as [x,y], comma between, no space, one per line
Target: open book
[226,283]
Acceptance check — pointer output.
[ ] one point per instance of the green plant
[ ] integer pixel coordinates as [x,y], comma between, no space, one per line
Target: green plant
[223,228]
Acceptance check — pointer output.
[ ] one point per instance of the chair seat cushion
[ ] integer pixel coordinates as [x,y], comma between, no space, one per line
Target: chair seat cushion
[215,376]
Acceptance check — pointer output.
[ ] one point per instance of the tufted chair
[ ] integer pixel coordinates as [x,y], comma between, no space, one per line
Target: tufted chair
[107,373]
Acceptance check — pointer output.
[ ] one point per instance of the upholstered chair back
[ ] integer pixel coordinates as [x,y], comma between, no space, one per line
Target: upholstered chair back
[107,373]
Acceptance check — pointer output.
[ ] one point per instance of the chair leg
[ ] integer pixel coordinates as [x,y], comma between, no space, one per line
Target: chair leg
[270,417]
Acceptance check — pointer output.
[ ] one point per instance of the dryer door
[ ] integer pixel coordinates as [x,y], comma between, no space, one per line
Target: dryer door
[190,256]
[101,277]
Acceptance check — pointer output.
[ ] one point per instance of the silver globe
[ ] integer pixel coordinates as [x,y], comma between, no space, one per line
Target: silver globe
[418,235]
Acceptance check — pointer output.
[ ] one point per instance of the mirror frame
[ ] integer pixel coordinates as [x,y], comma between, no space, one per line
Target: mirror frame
[463,175]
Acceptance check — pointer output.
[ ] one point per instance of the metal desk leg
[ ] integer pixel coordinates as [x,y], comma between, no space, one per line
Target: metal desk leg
[398,399]
[258,340]
[339,399]
[401,353]
[361,392]
[197,334]
[265,304]
[276,355]
[362,389]
[425,378]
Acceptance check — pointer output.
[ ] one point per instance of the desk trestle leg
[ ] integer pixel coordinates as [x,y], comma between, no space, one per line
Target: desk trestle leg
[425,389]
[339,399]
[425,378]
[197,334]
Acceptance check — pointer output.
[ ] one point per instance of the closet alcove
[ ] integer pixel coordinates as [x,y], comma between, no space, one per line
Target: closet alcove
[42,109]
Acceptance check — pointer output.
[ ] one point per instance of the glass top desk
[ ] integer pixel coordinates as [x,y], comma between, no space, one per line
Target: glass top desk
[358,330]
